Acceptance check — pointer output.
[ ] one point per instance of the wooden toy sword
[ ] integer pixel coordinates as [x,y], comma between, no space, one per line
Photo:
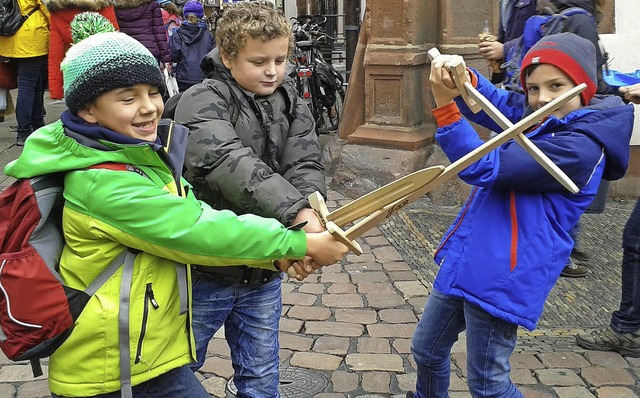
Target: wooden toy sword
[380,204]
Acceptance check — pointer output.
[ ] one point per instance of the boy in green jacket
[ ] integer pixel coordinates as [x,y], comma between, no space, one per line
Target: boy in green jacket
[113,90]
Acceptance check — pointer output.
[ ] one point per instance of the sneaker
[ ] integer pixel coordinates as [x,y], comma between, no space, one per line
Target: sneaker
[574,270]
[606,339]
[409,395]
[20,141]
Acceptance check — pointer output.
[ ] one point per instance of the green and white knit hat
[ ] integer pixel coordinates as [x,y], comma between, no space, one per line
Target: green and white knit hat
[103,62]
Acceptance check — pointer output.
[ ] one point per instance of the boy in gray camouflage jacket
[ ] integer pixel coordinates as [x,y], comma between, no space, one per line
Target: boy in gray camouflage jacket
[252,149]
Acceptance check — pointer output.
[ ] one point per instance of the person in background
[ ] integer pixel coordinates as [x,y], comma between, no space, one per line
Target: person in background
[189,44]
[513,15]
[171,16]
[623,333]
[585,26]
[28,49]
[142,20]
[252,149]
[62,13]
[631,93]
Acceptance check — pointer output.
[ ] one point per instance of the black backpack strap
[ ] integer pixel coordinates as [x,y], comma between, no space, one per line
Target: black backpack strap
[30,13]
[36,368]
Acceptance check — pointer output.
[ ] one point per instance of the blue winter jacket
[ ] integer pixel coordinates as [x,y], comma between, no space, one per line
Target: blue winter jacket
[189,44]
[509,243]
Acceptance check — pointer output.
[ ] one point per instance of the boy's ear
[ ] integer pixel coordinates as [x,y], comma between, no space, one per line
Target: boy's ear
[87,115]
[226,60]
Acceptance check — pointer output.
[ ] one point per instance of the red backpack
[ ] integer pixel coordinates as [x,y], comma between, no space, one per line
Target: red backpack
[37,311]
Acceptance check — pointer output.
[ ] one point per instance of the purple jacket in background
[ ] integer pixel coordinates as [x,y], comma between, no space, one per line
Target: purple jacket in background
[142,20]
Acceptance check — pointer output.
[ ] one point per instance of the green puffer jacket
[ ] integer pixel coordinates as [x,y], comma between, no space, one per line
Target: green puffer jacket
[107,211]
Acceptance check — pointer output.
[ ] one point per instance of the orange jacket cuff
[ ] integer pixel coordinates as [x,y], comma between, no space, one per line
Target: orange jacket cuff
[447,114]
[474,78]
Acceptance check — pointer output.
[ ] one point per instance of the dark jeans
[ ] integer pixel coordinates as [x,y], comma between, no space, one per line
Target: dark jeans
[30,102]
[627,318]
[176,383]
[490,342]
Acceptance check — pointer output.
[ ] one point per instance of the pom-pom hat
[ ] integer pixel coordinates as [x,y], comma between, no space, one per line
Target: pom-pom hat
[570,53]
[89,23]
[103,62]
[193,7]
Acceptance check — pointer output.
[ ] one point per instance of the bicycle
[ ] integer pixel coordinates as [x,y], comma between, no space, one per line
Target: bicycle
[318,83]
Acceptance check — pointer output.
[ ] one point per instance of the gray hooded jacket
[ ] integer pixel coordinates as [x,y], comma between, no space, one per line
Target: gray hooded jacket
[250,154]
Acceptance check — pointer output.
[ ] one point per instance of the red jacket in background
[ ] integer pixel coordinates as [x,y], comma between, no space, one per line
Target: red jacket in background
[62,13]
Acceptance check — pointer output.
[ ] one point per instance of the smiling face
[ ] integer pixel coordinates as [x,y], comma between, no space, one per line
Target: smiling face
[546,83]
[260,65]
[132,111]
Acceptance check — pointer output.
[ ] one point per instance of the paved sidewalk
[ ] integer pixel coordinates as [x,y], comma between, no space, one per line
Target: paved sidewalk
[346,331]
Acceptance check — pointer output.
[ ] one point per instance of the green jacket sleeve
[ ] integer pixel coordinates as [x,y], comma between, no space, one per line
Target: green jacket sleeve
[132,210]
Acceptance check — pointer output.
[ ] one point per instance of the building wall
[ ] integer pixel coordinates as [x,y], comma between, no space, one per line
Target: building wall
[623,46]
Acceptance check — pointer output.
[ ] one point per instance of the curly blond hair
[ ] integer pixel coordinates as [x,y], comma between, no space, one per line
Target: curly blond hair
[250,20]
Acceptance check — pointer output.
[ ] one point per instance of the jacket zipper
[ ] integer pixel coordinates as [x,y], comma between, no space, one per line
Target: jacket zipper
[148,298]
[513,212]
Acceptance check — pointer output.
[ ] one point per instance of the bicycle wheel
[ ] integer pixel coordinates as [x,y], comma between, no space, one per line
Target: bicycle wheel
[334,114]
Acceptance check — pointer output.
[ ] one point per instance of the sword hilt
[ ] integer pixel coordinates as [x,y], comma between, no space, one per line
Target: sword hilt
[341,236]
[459,77]
[318,204]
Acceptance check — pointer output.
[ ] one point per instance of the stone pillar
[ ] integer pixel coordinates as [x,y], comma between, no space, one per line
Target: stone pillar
[395,64]
[397,136]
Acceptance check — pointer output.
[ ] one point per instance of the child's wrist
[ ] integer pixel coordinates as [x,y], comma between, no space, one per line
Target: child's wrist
[447,114]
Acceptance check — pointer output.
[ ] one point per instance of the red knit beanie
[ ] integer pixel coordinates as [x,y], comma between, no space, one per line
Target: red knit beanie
[570,53]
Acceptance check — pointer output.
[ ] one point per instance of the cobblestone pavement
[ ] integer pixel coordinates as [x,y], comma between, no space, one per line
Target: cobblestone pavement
[346,331]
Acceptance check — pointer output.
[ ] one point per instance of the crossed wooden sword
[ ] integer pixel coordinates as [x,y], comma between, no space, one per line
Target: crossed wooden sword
[375,207]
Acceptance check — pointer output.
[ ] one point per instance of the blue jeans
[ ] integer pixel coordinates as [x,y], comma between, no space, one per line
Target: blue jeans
[251,316]
[31,85]
[627,318]
[490,342]
[176,383]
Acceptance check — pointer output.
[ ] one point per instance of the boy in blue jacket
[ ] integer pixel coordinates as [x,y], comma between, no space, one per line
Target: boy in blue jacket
[189,44]
[506,249]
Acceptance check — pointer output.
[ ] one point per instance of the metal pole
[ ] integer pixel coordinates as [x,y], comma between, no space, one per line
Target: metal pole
[351,31]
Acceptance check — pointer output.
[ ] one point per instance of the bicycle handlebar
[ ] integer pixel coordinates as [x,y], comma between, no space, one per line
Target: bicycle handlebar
[318,19]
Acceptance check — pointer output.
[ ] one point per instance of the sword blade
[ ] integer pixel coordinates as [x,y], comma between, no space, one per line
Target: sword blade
[383,196]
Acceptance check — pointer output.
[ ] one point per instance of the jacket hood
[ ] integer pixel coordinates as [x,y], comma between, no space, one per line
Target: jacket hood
[612,119]
[586,4]
[190,33]
[84,5]
[126,4]
[212,62]
[57,148]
